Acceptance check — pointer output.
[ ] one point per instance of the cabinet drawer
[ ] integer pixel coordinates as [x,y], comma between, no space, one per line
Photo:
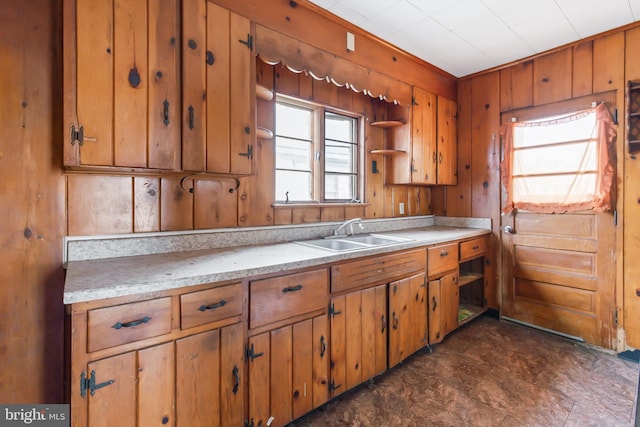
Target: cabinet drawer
[111,326]
[442,258]
[473,248]
[198,308]
[278,298]
[377,270]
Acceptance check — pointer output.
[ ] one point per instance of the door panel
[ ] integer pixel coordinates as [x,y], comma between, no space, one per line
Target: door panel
[560,273]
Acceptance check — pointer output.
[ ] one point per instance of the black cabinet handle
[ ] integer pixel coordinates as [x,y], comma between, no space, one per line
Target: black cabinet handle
[165,112]
[120,325]
[213,306]
[384,323]
[292,288]
[444,253]
[236,376]
[395,320]
[435,304]
[323,346]
[192,117]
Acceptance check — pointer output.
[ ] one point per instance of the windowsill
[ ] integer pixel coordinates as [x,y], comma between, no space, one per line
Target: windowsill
[317,205]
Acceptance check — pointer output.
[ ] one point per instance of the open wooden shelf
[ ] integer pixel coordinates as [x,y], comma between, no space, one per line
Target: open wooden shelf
[263,92]
[467,278]
[467,312]
[388,123]
[387,152]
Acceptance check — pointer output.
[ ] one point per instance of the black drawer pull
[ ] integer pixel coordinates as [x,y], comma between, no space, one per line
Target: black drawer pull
[444,253]
[475,248]
[131,324]
[213,306]
[292,288]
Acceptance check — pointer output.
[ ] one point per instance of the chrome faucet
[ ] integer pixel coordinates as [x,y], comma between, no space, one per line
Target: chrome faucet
[349,223]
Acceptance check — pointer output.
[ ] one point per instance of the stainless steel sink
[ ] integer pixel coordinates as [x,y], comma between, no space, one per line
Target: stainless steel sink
[353,243]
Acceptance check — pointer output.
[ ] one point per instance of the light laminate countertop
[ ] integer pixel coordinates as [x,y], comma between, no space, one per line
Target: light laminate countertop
[97,279]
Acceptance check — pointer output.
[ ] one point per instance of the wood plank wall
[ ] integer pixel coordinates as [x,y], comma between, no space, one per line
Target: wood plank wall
[595,65]
[32,203]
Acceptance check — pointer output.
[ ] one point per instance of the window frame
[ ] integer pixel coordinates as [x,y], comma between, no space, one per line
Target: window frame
[318,157]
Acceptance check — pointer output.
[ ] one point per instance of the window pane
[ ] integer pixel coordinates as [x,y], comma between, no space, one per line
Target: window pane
[339,157]
[298,184]
[293,121]
[339,187]
[546,189]
[293,154]
[558,158]
[340,128]
[570,130]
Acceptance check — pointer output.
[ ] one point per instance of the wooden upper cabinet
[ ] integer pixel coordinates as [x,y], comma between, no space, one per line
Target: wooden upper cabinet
[121,77]
[424,151]
[218,78]
[447,142]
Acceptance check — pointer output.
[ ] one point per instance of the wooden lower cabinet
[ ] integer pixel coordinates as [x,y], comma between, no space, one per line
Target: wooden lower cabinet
[443,306]
[407,317]
[358,337]
[193,381]
[288,372]
[210,378]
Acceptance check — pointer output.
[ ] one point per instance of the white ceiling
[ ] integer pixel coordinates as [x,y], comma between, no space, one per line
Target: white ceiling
[466,36]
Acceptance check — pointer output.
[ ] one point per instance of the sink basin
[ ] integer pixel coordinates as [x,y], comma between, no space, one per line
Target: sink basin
[374,240]
[353,243]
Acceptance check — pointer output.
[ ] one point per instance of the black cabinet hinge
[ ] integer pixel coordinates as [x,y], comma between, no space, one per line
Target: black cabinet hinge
[90,384]
[77,135]
[615,318]
[249,423]
[249,153]
[332,310]
[333,386]
[251,354]
[248,42]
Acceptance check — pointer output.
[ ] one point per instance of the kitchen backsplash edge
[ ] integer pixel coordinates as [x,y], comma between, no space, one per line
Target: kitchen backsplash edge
[81,248]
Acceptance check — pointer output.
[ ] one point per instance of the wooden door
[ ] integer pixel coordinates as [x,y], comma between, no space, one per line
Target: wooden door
[447,142]
[559,272]
[320,360]
[374,331]
[338,345]
[418,312]
[113,404]
[259,379]
[209,377]
[302,359]
[423,137]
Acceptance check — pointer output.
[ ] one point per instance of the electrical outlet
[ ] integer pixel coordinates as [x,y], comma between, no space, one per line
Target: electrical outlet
[401,208]
[351,42]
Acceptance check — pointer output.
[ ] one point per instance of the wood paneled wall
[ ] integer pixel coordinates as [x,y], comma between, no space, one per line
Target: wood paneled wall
[32,203]
[595,65]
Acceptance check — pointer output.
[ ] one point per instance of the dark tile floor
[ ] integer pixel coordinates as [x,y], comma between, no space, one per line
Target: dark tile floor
[492,373]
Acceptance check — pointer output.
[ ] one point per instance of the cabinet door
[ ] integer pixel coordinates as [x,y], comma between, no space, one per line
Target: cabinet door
[113,404]
[123,84]
[209,378]
[447,142]
[289,365]
[418,312]
[408,317]
[449,297]
[400,339]
[423,137]
[156,385]
[436,333]
[338,345]
[374,331]
[218,106]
